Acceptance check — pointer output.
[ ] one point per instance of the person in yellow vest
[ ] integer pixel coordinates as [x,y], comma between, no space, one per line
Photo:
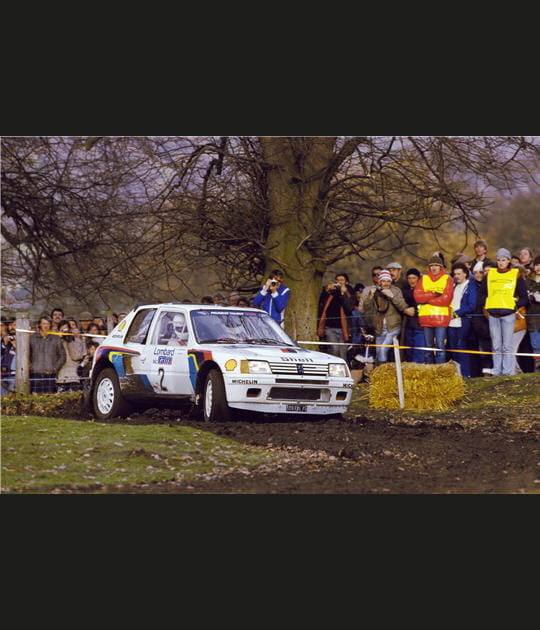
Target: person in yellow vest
[505,290]
[433,294]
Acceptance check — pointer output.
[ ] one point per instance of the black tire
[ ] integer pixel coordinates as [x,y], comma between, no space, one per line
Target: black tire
[214,400]
[107,399]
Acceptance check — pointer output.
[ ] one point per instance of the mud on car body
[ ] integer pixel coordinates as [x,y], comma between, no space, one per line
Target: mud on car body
[219,358]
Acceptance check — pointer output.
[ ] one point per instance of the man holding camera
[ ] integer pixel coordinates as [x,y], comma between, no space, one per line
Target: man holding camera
[387,304]
[273,297]
[336,304]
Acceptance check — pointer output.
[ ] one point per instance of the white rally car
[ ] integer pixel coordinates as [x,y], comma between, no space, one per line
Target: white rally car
[220,358]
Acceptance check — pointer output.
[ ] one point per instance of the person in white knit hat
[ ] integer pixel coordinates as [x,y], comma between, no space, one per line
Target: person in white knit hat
[387,304]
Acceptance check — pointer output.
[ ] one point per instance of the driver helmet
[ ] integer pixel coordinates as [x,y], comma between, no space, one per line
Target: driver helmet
[179,326]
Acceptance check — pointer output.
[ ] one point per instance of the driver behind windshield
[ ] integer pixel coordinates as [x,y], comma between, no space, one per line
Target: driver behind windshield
[237,328]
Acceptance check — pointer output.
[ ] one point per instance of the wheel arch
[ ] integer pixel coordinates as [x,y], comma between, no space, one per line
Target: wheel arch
[102,364]
[202,374]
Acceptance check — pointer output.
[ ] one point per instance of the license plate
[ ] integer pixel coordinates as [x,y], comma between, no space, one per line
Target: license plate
[296,408]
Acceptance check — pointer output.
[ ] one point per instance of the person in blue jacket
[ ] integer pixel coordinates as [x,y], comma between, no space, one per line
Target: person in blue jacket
[273,296]
[463,306]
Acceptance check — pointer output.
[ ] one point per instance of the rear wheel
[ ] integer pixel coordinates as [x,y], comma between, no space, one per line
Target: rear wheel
[107,398]
[214,403]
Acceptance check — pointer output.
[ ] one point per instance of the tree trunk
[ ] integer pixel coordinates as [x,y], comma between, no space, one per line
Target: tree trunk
[297,171]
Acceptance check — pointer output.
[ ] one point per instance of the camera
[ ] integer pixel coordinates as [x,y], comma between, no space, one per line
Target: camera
[379,288]
[273,282]
[337,285]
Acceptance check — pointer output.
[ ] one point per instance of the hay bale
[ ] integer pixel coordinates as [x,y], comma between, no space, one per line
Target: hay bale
[435,387]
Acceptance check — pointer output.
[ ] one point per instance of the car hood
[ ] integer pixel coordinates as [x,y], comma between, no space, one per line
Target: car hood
[273,353]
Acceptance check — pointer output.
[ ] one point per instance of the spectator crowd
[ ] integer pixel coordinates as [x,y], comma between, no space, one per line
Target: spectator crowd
[481,312]
[61,351]
[477,311]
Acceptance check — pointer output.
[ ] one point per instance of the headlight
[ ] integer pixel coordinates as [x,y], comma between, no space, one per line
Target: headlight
[338,369]
[254,367]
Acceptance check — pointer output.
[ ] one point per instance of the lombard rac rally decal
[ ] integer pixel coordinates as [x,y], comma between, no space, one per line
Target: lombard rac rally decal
[163,356]
[195,359]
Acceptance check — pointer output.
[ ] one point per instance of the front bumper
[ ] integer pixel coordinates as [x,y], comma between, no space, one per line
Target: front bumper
[270,394]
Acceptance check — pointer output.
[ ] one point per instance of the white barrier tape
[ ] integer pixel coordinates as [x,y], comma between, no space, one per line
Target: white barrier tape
[60,381]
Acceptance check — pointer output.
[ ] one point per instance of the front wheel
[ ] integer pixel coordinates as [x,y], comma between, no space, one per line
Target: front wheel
[107,398]
[214,404]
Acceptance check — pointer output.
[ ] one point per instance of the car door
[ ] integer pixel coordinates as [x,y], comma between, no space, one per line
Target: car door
[135,381]
[167,356]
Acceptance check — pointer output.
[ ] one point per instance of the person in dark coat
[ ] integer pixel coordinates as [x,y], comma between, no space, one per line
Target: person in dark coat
[336,304]
[9,344]
[463,306]
[413,333]
[47,356]
[481,364]
[526,258]
[533,310]
[357,319]
[398,279]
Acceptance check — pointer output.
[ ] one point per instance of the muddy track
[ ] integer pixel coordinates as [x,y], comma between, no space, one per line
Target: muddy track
[366,455]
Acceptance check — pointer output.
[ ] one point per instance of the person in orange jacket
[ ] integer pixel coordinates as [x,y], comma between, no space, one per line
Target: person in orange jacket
[433,294]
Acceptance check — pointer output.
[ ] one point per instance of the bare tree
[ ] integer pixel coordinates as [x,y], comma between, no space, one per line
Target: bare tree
[77,221]
[303,204]
[139,214]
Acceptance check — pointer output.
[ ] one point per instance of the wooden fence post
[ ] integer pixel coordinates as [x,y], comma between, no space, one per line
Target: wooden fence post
[399,374]
[22,373]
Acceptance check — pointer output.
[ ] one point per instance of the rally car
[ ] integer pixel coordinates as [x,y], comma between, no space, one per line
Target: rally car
[221,359]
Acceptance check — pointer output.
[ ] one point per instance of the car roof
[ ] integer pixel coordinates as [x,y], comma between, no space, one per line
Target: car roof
[197,307]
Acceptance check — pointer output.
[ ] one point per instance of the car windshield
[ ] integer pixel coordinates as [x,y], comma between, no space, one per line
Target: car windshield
[236,326]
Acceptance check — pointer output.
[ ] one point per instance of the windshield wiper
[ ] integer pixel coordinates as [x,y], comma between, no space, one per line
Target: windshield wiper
[272,342]
[221,340]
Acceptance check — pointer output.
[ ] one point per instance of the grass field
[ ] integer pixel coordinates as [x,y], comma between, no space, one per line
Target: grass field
[44,454]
